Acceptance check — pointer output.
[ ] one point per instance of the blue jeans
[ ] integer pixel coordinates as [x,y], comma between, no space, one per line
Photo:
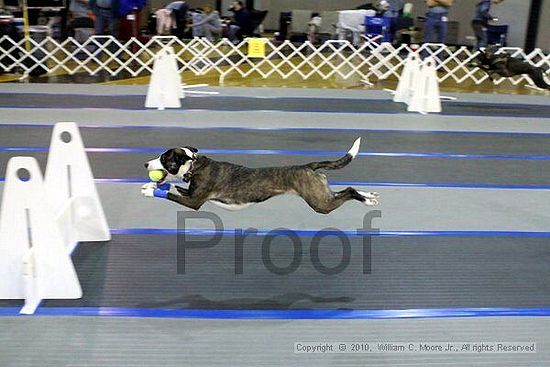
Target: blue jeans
[435,24]
[480,30]
[106,23]
[233,33]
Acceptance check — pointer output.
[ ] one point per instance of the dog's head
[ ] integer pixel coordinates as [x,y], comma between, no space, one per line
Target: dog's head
[175,162]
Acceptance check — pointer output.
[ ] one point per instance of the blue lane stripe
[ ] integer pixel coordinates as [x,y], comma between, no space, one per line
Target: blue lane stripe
[322,129]
[311,233]
[301,153]
[371,184]
[282,314]
[442,185]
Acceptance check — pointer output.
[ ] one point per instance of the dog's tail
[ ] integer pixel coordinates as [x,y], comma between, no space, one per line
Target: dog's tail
[337,164]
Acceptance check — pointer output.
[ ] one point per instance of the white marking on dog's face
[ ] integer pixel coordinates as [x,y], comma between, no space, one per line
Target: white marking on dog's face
[189,153]
[154,164]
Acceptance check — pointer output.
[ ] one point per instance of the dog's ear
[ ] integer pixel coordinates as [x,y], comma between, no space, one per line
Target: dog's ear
[193,149]
[191,152]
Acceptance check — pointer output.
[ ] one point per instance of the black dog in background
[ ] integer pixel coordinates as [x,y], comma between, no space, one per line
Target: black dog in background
[508,66]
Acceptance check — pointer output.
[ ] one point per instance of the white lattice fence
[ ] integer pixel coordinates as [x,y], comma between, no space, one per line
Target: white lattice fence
[331,59]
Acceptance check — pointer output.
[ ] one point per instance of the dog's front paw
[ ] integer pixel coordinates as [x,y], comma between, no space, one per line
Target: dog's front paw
[151,191]
[148,190]
[149,185]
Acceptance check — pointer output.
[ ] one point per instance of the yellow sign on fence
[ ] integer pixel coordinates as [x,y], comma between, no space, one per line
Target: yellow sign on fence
[256,47]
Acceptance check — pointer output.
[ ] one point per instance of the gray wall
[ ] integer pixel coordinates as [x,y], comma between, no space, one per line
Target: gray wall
[543,39]
[515,13]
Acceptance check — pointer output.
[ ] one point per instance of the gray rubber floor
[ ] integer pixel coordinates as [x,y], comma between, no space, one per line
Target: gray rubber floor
[226,103]
[386,273]
[117,342]
[402,272]
[303,141]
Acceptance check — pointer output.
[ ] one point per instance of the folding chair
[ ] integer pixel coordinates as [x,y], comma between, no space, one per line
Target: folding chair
[497,34]
[378,26]
[351,21]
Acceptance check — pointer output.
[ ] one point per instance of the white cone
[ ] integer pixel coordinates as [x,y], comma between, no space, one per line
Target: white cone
[165,86]
[34,262]
[425,96]
[410,72]
[174,75]
[71,189]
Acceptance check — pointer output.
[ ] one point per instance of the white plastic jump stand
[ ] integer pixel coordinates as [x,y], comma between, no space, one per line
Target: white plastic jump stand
[411,70]
[425,95]
[71,189]
[34,262]
[165,86]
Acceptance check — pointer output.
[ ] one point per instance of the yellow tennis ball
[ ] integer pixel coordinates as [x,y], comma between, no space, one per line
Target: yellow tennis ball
[156,175]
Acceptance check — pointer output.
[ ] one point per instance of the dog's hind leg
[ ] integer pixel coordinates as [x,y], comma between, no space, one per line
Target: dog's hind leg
[325,201]
[537,75]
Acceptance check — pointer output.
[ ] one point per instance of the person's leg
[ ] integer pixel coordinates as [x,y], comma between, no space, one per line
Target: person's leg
[480,32]
[442,29]
[233,29]
[441,25]
[484,37]
[208,31]
[113,25]
[393,29]
[198,31]
[429,28]
[100,23]
[69,29]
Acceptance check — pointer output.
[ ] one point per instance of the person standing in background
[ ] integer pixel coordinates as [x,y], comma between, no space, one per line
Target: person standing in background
[106,16]
[437,17]
[79,16]
[481,21]
[395,7]
[394,10]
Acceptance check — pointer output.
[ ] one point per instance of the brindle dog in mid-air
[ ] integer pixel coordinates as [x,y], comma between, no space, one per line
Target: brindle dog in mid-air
[507,66]
[232,186]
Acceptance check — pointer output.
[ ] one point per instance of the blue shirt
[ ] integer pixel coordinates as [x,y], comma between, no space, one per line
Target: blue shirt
[482,11]
[438,9]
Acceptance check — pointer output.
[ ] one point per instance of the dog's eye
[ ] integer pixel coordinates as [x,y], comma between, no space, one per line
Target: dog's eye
[173,168]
